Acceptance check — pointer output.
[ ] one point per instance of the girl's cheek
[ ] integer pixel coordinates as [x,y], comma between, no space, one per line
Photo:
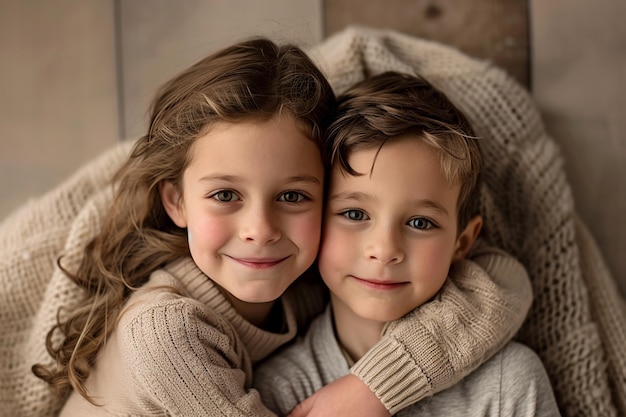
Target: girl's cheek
[313,228]
[208,233]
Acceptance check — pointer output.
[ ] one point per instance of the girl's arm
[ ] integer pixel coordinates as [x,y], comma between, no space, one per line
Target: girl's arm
[479,309]
[187,361]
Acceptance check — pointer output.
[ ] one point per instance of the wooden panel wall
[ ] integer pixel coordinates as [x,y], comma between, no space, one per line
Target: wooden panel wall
[490,29]
[58,92]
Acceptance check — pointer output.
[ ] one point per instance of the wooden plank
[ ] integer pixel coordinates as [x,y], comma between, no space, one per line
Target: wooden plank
[58,96]
[153,49]
[489,29]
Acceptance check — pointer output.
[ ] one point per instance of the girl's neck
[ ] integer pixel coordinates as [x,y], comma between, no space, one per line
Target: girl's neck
[257,314]
[355,334]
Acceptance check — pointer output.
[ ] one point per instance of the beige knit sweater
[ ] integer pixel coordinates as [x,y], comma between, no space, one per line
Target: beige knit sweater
[577,324]
[179,337]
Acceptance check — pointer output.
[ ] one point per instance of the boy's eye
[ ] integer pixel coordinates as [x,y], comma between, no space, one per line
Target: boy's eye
[354,215]
[225,196]
[421,223]
[291,197]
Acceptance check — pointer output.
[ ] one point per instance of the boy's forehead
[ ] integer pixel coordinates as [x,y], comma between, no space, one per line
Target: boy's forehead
[366,154]
[403,171]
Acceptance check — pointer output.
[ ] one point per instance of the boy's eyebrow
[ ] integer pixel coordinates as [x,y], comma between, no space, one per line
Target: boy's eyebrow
[361,196]
[234,178]
[350,195]
[432,204]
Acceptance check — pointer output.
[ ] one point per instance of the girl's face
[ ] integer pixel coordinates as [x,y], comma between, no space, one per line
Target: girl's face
[251,201]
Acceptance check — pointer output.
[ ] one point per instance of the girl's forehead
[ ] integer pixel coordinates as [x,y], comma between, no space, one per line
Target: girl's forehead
[255,148]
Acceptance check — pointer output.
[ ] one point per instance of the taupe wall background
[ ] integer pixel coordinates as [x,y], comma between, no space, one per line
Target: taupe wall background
[77,76]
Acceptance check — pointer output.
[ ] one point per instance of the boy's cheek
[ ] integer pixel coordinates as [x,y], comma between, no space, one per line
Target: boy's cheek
[337,247]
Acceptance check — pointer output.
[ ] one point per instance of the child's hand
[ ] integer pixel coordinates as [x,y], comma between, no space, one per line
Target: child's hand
[346,396]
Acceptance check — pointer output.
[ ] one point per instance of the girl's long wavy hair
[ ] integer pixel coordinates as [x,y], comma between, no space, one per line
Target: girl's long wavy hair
[252,80]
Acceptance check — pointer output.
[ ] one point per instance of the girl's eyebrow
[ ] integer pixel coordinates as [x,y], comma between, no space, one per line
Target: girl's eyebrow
[220,177]
[234,178]
[305,178]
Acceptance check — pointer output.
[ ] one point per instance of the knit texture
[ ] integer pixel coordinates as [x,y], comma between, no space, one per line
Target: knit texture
[33,287]
[577,323]
[180,349]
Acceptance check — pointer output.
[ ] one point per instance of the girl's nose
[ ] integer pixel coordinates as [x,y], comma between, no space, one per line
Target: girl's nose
[260,226]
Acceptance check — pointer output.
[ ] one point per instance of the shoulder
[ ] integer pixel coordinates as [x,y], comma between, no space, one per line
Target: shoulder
[521,369]
[160,323]
[515,367]
[520,362]
[526,387]
[513,381]
[515,352]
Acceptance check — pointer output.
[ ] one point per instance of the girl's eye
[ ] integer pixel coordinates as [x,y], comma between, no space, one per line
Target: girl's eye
[225,196]
[421,223]
[355,215]
[292,197]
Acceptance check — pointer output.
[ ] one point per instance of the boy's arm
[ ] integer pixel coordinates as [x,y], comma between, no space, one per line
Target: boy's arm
[479,309]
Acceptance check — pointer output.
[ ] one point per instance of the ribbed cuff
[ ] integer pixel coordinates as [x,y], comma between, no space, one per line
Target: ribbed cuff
[392,374]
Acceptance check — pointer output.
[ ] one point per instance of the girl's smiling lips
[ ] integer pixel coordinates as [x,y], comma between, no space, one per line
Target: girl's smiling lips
[377,284]
[258,263]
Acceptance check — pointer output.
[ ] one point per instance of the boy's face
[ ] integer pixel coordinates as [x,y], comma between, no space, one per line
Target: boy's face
[389,237]
[252,201]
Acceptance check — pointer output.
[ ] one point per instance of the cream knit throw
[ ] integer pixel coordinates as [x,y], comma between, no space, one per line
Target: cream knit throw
[576,324]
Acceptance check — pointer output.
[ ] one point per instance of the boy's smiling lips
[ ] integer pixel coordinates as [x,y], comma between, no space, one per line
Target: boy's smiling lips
[380,284]
[258,263]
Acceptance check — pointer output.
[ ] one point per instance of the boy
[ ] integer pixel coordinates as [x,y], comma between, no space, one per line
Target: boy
[402,215]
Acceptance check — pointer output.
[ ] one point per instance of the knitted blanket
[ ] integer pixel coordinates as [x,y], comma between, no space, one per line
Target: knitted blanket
[576,324]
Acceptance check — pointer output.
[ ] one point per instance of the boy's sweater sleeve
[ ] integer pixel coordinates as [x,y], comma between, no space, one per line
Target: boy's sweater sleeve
[478,310]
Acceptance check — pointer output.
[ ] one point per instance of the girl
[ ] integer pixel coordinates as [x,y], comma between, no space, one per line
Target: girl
[216,212]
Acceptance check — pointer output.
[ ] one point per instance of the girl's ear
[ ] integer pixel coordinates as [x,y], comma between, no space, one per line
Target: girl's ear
[172,202]
[467,238]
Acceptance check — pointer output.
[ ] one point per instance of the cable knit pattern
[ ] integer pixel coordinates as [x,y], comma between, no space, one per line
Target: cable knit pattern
[577,323]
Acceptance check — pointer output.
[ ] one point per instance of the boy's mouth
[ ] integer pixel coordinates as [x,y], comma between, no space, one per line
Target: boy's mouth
[379,284]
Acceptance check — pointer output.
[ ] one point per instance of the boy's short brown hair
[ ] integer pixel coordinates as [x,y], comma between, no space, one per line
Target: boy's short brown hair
[391,105]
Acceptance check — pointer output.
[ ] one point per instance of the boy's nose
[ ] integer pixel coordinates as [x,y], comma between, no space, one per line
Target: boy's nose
[384,246]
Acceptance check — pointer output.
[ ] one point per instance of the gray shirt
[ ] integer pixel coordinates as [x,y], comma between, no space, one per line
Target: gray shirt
[512,383]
